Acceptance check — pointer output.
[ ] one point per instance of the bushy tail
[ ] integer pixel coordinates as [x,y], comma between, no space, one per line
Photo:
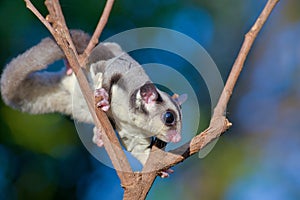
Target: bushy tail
[26,89]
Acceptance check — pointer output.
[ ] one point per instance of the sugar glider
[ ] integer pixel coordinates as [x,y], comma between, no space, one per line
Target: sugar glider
[137,108]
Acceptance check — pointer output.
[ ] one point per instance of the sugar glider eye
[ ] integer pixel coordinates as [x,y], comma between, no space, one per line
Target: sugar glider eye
[169,118]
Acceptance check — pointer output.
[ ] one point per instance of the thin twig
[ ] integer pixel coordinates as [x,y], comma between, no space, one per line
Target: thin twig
[100,26]
[240,60]
[219,123]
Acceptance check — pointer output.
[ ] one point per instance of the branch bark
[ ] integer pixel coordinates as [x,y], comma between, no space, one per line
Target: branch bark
[137,184]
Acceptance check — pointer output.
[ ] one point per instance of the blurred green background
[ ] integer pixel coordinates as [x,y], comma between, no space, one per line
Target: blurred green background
[42,157]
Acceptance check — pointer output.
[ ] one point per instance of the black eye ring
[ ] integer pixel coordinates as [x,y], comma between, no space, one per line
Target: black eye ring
[169,118]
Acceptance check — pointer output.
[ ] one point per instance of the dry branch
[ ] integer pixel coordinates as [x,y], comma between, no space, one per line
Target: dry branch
[137,184]
[56,24]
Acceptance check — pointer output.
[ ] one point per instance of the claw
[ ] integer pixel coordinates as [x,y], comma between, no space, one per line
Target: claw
[101,97]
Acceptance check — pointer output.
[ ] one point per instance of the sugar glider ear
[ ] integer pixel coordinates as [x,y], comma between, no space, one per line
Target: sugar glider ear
[148,93]
[180,99]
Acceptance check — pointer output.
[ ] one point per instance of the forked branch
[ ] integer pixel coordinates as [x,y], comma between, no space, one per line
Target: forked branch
[137,184]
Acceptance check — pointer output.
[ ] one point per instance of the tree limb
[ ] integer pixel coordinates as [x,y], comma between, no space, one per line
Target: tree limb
[55,22]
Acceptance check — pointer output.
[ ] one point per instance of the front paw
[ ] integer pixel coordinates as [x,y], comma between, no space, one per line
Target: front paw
[69,69]
[97,138]
[101,97]
[166,173]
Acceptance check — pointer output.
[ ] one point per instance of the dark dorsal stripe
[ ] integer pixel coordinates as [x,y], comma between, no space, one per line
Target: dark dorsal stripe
[100,52]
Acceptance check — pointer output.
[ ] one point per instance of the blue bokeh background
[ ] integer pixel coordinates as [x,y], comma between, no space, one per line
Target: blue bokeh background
[41,156]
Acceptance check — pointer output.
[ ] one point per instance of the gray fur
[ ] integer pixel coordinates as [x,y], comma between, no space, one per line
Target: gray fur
[135,121]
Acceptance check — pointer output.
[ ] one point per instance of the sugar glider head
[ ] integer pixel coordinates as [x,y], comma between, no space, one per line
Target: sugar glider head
[156,113]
